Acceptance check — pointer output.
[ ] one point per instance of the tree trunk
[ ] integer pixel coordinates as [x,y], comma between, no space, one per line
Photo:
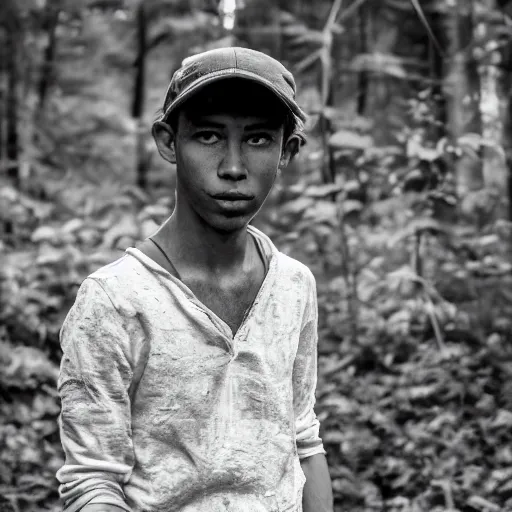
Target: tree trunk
[363,48]
[491,106]
[3,100]
[507,132]
[493,101]
[505,7]
[11,136]
[138,97]
[436,72]
[462,89]
[50,25]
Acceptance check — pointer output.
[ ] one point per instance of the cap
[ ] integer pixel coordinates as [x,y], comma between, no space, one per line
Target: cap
[205,68]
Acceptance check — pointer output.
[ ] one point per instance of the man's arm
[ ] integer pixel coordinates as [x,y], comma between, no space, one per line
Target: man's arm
[95,420]
[317,494]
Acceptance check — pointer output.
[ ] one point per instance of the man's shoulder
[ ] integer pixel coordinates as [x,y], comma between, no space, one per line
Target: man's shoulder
[120,276]
[123,267]
[294,266]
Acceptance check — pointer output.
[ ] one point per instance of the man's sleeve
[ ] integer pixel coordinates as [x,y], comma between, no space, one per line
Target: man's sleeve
[95,419]
[307,425]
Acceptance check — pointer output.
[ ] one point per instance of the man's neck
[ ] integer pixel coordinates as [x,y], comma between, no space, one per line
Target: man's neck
[198,245]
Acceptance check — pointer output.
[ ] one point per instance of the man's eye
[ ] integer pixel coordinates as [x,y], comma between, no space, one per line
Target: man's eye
[259,140]
[207,137]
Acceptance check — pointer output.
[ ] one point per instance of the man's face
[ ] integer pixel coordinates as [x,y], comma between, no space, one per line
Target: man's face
[228,148]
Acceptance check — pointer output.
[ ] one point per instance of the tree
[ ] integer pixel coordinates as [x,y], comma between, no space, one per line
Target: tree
[138,95]
[11,25]
[49,25]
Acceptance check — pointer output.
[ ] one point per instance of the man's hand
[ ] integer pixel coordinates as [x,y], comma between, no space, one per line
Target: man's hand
[102,507]
[317,494]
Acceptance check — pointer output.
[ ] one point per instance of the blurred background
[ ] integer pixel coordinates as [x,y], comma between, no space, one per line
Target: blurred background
[400,204]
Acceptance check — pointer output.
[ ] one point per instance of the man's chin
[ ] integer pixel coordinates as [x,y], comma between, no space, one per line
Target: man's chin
[229,224]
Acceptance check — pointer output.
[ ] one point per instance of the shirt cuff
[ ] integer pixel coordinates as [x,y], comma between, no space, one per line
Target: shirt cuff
[308,438]
[304,453]
[108,498]
[97,496]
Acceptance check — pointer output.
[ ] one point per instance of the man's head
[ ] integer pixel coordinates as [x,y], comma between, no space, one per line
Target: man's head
[229,123]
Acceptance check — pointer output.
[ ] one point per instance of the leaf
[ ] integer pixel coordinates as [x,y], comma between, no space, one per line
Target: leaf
[321,191]
[294,30]
[351,186]
[368,284]
[503,419]
[148,228]
[73,225]
[126,227]
[26,366]
[333,437]
[416,150]
[45,234]
[351,206]
[297,206]
[473,142]
[334,366]
[479,503]
[381,63]
[286,17]
[345,139]
[420,225]
[51,256]
[343,471]
[421,392]
[340,403]
[399,323]
[445,418]
[44,405]
[299,35]
[322,211]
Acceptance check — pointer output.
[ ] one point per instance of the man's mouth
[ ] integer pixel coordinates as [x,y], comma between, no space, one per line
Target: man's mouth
[234,195]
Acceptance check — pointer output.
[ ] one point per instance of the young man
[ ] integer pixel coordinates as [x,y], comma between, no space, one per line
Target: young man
[189,369]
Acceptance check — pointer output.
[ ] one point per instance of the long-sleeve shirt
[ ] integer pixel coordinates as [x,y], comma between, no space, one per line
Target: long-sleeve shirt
[164,409]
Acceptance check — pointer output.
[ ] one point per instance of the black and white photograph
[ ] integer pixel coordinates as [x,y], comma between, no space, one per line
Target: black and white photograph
[255,256]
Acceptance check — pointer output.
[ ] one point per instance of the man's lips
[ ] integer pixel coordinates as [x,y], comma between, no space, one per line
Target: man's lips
[232,196]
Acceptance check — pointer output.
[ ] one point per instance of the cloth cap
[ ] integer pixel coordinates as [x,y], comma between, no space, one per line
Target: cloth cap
[205,68]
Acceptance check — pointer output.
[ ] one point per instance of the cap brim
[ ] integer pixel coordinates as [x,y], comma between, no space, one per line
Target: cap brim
[225,74]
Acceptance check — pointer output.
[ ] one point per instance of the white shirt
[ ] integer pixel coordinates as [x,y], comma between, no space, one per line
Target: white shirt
[163,409]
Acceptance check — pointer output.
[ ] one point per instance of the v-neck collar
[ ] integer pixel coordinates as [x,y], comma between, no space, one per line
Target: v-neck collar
[219,323]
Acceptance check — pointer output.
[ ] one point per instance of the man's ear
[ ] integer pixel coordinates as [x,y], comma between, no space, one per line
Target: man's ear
[290,149]
[164,139]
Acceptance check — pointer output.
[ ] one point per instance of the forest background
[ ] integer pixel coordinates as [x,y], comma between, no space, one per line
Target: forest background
[400,204]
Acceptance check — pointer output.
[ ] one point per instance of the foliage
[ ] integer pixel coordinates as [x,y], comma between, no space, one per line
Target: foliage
[401,390]
[413,279]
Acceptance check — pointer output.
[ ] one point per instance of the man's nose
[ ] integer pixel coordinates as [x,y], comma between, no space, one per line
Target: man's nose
[232,166]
